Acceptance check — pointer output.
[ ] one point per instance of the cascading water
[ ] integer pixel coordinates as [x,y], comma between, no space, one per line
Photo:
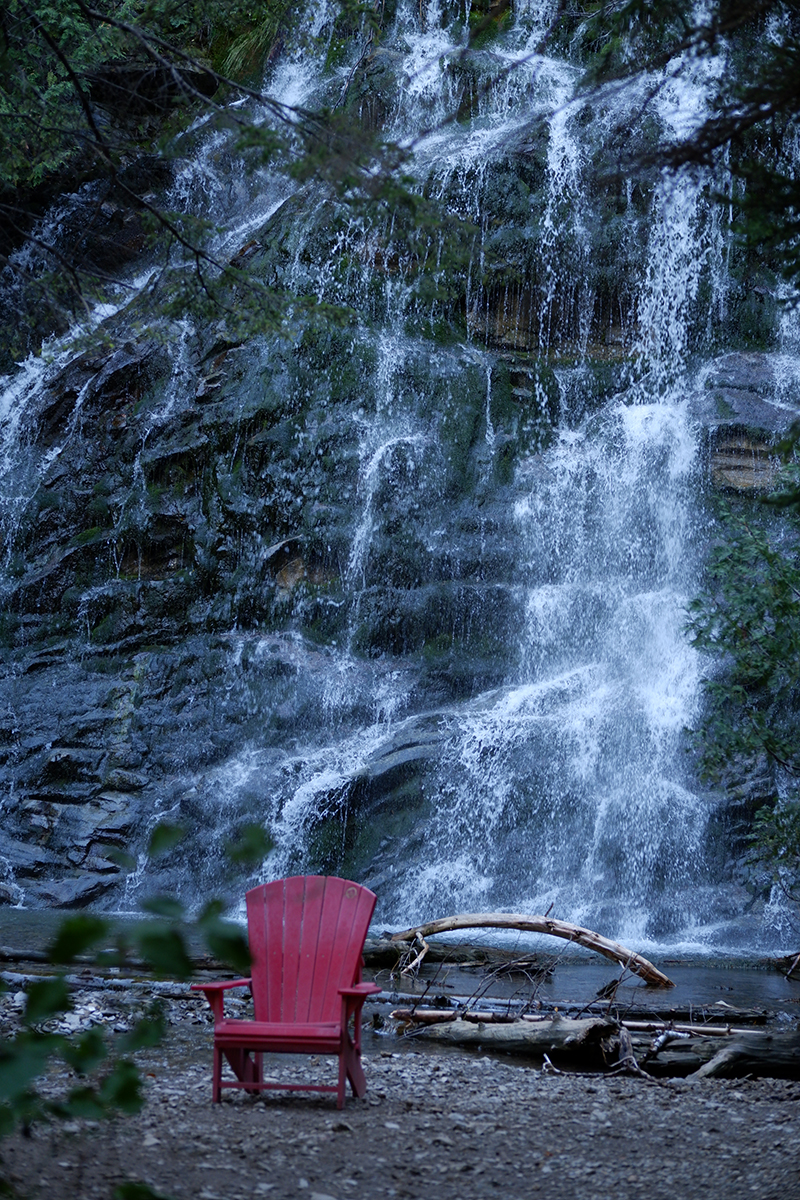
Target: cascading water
[567,787]
[436,637]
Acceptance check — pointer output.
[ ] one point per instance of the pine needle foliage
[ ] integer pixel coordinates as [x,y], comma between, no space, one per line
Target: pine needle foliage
[747,621]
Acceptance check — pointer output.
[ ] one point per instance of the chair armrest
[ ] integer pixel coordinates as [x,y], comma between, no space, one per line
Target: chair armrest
[360,989]
[353,998]
[220,985]
[213,993]
[352,1003]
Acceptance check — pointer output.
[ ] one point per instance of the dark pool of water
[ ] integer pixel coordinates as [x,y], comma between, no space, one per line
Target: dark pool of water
[578,978]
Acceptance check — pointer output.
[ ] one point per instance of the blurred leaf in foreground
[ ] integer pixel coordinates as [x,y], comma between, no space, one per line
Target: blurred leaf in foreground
[76,934]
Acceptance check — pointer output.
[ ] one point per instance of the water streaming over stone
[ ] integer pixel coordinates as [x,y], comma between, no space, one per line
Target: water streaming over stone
[448,651]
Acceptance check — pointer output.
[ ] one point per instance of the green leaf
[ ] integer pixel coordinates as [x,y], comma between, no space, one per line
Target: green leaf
[8,1124]
[250,846]
[75,935]
[165,837]
[46,997]
[122,858]
[22,1061]
[225,939]
[210,911]
[164,906]
[119,1091]
[147,1032]
[82,1102]
[228,942]
[122,1088]
[165,949]
[133,1190]
[85,1052]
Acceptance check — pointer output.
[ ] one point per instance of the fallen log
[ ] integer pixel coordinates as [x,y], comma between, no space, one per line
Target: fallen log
[694,1051]
[692,1014]
[653,1016]
[589,1045]
[536,924]
[383,952]
[626,1058]
[168,989]
[718,1064]
[437,1016]
[789,965]
[579,1041]
[680,1059]
[427,1016]
[776,1055]
[694,1030]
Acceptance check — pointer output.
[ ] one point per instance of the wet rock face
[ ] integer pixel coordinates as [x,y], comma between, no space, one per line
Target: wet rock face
[98,227]
[72,807]
[744,406]
[148,515]
[742,463]
[139,738]
[158,502]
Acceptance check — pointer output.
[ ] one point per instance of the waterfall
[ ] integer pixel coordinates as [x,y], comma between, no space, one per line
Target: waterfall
[567,786]
[445,543]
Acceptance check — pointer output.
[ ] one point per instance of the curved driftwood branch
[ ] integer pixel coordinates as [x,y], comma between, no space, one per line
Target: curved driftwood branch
[562,929]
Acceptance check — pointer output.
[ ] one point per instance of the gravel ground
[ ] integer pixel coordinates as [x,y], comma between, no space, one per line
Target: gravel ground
[440,1125]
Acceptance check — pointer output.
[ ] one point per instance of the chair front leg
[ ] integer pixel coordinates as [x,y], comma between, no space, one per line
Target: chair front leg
[343,1074]
[351,1058]
[216,1080]
[351,1008]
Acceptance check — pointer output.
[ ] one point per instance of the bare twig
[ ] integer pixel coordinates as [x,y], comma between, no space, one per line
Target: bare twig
[627,1064]
[415,965]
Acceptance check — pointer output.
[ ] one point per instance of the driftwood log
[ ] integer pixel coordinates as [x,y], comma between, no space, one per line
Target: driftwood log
[776,1055]
[535,924]
[657,1029]
[575,1041]
[602,1045]
[383,952]
[789,965]
[655,1016]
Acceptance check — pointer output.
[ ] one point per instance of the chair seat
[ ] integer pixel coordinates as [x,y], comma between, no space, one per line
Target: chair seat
[273,1035]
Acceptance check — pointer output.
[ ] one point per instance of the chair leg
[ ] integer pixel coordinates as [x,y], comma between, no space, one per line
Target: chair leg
[252,1071]
[355,1072]
[245,1068]
[343,1073]
[216,1089]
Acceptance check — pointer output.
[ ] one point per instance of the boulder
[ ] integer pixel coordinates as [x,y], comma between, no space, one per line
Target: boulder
[75,891]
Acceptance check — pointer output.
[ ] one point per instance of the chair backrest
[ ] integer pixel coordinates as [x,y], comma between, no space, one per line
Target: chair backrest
[306,937]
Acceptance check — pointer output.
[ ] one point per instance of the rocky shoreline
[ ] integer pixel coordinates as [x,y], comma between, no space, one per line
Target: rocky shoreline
[450,1124]
[437,1120]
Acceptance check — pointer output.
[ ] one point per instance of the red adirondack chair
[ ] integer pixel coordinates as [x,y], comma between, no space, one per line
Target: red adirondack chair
[306,937]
